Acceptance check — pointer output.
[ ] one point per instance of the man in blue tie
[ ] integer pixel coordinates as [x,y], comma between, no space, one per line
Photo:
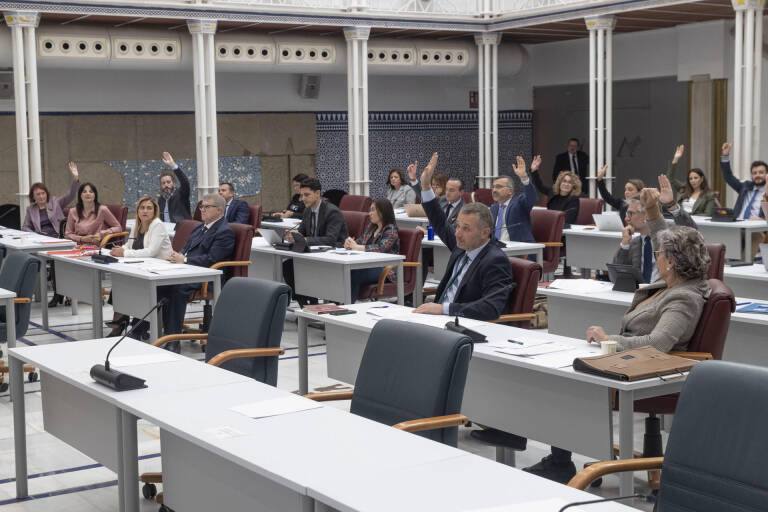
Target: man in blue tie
[478,278]
[747,205]
[512,213]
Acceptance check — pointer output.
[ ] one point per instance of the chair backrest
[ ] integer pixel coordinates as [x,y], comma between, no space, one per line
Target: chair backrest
[198,215]
[410,371]
[587,207]
[354,203]
[242,252]
[716,452]
[120,213]
[334,195]
[467,196]
[10,216]
[19,274]
[410,247]
[483,195]
[527,275]
[250,313]
[254,215]
[181,235]
[357,222]
[717,257]
[712,328]
[547,226]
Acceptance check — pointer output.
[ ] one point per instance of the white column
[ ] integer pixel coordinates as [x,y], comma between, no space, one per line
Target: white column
[488,106]
[748,48]
[25,92]
[357,108]
[600,97]
[204,76]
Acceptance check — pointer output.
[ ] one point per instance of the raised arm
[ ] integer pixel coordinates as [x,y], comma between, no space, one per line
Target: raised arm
[536,177]
[725,165]
[607,197]
[72,192]
[431,206]
[672,169]
[529,191]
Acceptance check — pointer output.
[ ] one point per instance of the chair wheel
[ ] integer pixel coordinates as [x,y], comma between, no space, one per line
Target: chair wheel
[149,491]
[33,376]
[596,483]
[163,508]
[3,387]
[202,348]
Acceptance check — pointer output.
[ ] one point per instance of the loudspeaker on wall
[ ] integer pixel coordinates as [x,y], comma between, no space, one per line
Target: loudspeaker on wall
[309,86]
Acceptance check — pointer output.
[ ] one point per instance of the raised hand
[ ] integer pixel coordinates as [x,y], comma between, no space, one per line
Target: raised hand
[536,163]
[666,196]
[429,170]
[601,172]
[678,153]
[649,197]
[520,167]
[412,170]
[73,170]
[168,159]
[727,148]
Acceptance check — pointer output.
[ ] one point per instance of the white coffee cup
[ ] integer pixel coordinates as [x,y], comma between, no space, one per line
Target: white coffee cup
[608,346]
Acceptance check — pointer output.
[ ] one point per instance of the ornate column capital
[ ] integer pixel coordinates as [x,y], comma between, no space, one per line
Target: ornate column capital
[357,33]
[607,22]
[492,38]
[22,18]
[743,5]
[201,26]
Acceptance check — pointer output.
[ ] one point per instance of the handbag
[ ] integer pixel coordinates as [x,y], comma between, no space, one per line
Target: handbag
[634,364]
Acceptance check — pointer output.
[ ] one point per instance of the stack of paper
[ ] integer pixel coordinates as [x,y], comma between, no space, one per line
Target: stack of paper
[581,285]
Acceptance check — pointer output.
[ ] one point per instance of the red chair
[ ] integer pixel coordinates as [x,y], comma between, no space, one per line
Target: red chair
[717,261]
[254,217]
[467,196]
[357,222]
[483,195]
[352,203]
[183,229]
[547,229]
[120,213]
[587,207]
[527,275]
[198,215]
[410,247]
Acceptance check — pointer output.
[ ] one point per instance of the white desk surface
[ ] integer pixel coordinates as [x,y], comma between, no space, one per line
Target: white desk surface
[12,238]
[7,294]
[412,220]
[752,225]
[141,269]
[350,257]
[592,231]
[289,223]
[511,246]
[756,272]
[497,338]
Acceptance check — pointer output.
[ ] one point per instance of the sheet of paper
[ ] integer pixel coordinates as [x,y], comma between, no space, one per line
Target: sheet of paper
[581,285]
[519,343]
[544,348]
[276,406]
[142,359]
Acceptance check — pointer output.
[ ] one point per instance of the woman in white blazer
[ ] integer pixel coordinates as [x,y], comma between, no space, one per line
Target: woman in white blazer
[148,240]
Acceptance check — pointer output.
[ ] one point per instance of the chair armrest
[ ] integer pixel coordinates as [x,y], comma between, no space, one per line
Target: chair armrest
[22,300]
[385,271]
[407,264]
[331,396]
[110,236]
[551,244]
[222,264]
[159,342]
[696,356]
[514,317]
[594,471]
[225,356]
[429,291]
[435,422]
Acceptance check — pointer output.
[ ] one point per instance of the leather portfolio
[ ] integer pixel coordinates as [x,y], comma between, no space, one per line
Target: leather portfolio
[635,364]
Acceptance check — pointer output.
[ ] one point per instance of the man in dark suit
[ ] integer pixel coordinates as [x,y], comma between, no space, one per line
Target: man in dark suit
[750,192]
[236,210]
[174,203]
[513,224]
[210,242]
[322,223]
[454,200]
[478,278]
[573,160]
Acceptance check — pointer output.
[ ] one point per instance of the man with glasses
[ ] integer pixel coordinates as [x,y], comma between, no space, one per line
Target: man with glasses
[512,213]
[639,251]
[210,242]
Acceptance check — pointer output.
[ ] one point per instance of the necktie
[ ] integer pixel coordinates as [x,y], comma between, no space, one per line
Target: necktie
[647,259]
[226,212]
[313,224]
[499,222]
[748,209]
[447,210]
[574,166]
[457,271]
[166,214]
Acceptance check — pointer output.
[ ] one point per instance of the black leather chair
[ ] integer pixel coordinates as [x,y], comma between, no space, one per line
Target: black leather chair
[412,377]
[19,274]
[244,336]
[716,452]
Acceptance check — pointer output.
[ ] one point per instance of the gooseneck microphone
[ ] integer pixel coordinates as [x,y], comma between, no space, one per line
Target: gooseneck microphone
[590,502]
[475,336]
[114,379]
[106,258]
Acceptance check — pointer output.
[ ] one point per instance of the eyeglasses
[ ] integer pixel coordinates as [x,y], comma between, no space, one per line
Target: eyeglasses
[499,187]
[631,213]
[206,206]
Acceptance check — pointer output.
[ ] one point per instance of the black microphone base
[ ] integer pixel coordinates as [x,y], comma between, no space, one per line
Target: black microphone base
[104,258]
[118,381]
[474,336]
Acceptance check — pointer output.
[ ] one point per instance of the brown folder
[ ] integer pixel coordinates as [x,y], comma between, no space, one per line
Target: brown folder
[635,364]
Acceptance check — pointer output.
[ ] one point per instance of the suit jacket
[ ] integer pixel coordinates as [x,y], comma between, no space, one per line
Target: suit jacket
[703,204]
[238,211]
[157,244]
[454,216]
[54,207]
[634,255]
[518,214]
[744,188]
[216,244]
[416,187]
[481,292]
[331,226]
[563,163]
[178,204]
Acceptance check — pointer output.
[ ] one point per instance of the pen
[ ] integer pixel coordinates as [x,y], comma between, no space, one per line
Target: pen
[138,261]
[516,342]
[378,307]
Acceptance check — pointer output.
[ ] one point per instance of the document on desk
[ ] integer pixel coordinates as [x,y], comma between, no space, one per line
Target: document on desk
[276,406]
[537,350]
[581,285]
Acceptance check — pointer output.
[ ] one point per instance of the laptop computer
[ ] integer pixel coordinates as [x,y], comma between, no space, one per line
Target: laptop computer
[609,221]
[414,210]
[625,278]
[271,236]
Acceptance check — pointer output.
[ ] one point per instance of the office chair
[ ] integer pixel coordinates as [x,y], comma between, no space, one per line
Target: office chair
[410,247]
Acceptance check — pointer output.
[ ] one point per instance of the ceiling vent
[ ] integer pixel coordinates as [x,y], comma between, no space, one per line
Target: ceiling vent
[72,47]
[298,53]
[145,48]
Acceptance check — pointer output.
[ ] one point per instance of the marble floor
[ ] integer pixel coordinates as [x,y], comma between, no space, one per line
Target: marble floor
[62,479]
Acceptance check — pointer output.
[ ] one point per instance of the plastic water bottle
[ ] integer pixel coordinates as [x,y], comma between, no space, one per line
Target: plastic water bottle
[430,233]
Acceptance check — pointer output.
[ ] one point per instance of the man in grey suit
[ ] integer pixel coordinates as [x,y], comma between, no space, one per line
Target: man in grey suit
[639,251]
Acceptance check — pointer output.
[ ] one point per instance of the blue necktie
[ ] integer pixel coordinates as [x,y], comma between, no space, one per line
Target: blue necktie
[454,277]
[748,209]
[499,222]
[647,260]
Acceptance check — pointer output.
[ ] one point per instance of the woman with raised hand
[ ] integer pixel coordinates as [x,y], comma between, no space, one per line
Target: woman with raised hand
[631,188]
[696,198]
[400,193]
[563,195]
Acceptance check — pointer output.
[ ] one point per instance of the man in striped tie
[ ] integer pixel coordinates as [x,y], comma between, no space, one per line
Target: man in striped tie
[478,278]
